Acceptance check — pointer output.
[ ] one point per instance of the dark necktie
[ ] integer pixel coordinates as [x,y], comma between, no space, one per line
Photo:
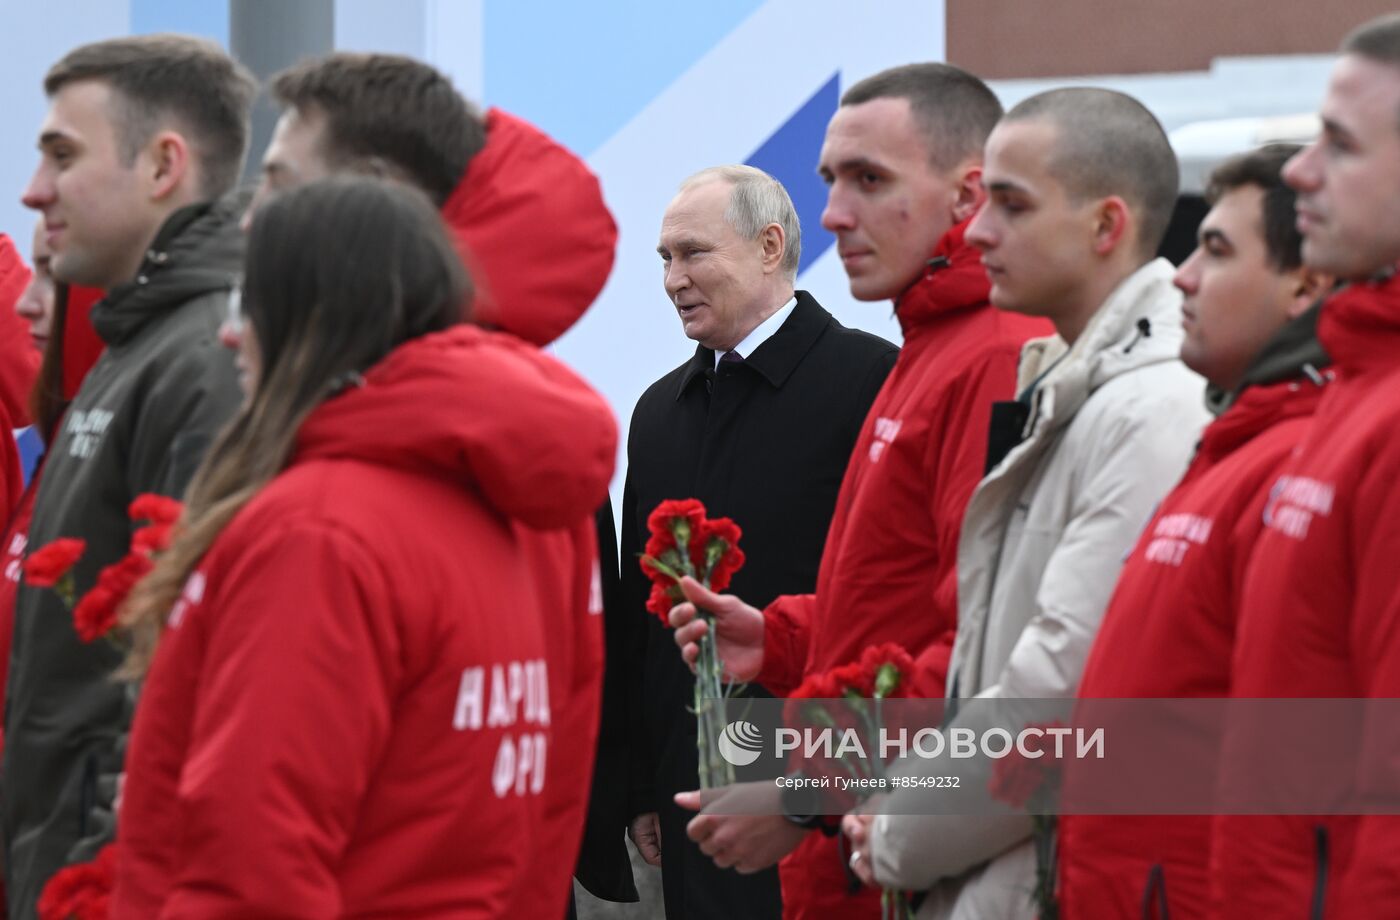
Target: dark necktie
[732,357]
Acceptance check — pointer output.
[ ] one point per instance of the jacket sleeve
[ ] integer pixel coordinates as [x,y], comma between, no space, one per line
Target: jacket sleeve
[787,630]
[187,405]
[1125,466]
[1370,884]
[292,713]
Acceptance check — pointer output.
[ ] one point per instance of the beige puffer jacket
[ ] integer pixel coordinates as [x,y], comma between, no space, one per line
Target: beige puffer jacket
[1111,429]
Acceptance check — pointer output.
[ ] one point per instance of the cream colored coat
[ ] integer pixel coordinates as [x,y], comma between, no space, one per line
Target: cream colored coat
[1111,430]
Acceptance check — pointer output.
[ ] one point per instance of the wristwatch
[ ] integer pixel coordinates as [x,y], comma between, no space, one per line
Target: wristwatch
[801,803]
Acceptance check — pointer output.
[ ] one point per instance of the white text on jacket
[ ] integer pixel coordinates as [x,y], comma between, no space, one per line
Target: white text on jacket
[1293,501]
[886,430]
[86,430]
[1174,534]
[516,693]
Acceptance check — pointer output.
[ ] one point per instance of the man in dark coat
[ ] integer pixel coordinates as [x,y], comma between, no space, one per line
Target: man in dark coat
[758,425]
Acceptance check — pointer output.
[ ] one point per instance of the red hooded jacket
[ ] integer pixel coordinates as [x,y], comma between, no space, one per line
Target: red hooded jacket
[888,571]
[1169,633]
[1321,618]
[349,712]
[531,225]
[533,229]
[19,359]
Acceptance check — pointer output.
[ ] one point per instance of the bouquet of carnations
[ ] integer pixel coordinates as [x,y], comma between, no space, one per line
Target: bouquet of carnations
[94,616]
[683,541]
[882,672]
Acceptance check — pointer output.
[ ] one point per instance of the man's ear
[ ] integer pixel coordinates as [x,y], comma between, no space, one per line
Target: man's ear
[1309,286]
[166,164]
[1113,224]
[968,193]
[773,243]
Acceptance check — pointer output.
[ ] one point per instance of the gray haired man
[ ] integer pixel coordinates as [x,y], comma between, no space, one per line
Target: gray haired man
[758,424]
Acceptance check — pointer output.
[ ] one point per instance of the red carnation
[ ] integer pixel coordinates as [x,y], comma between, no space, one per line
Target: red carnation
[662,599]
[122,576]
[815,687]
[888,669]
[1016,778]
[659,543]
[46,565]
[153,538]
[96,613]
[689,510]
[82,891]
[715,552]
[158,509]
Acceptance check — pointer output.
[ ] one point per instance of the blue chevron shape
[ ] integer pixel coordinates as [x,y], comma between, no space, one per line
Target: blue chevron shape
[790,156]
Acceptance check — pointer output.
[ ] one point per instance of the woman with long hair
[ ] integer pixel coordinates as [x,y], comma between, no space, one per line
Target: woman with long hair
[345,709]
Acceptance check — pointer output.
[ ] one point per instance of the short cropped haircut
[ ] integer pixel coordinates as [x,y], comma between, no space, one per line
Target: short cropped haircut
[1108,143]
[391,107]
[177,81]
[756,200]
[1263,169]
[1378,40]
[953,110]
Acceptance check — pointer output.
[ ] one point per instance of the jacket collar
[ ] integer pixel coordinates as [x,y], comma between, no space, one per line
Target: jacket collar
[1360,325]
[1256,409]
[778,357]
[1138,325]
[953,280]
[1285,357]
[198,249]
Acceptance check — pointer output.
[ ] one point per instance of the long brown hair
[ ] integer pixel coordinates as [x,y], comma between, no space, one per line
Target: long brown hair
[47,401]
[337,274]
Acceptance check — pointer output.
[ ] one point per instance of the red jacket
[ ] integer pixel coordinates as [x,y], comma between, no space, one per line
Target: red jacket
[348,713]
[19,359]
[533,229]
[1321,618]
[888,571]
[1169,633]
[531,224]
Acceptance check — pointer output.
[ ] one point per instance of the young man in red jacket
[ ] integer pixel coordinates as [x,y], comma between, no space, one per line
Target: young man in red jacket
[1250,319]
[497,180]
[1321,610]
[903,163]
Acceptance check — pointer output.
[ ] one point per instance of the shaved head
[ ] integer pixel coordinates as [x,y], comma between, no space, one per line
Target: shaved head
[1108,143]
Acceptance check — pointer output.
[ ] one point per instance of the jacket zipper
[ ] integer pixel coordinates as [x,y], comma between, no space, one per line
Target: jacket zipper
[1319,904]
[1156,886]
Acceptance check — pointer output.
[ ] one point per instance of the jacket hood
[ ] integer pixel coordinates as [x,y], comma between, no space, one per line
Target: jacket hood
[1258,408]
[1287,356]
[19,360]
[533,229]
[1360,325]
[953,279]
[1138,325]
[483,409]
[197,250]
